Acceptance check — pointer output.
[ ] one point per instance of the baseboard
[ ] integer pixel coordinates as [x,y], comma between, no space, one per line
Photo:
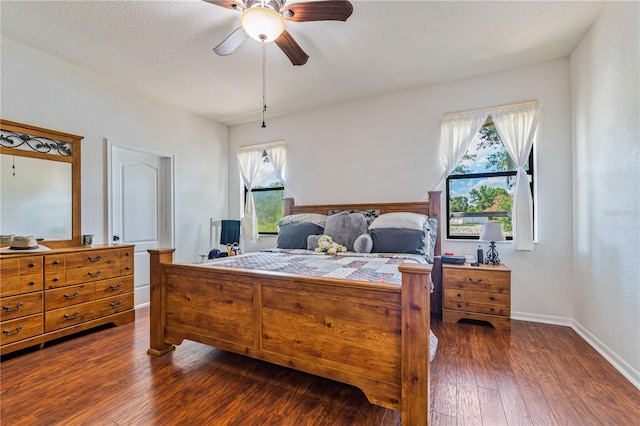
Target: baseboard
[618,363]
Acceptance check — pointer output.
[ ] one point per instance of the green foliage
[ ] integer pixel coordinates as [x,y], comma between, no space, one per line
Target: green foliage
[484,197]
[459,204]
[499,161]
[461,169]
[268,209]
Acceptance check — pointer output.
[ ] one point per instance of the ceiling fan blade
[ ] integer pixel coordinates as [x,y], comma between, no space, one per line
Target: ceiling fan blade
[232,42]
[291,48]
[329,10]
[228,4]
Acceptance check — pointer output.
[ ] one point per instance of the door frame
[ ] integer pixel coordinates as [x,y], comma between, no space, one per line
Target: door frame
[167,160]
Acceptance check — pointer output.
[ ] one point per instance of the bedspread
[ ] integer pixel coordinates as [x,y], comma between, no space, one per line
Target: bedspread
[372,267]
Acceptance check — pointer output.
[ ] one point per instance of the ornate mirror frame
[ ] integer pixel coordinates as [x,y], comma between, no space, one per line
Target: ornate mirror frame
[55,146]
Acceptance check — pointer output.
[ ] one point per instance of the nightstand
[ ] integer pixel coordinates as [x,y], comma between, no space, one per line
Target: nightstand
[477,292]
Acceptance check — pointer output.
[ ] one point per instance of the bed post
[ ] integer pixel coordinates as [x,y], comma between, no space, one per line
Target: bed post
[157,314]
[416,314]
[287,204]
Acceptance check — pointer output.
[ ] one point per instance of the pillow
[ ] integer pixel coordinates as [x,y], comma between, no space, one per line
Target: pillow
[369,215]
[405,220]
[294,235]
[345,227]
[363,244]
[397,240]
[318,219]
[312,242]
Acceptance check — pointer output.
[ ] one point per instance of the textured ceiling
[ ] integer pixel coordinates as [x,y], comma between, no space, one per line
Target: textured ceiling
[164,48]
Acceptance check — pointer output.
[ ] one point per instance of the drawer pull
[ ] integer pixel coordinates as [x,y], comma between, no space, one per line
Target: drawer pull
[127,268]
[478,281]
[56,262]
[491,309]
[115,287]
[459,295]
[56,279]
[97,259]
[127,254]
[492,298]
[92,275]
[116,304]
[10,309]
[70,317]
[31,283]
[459,305]
[10,333]
[73,296]
[32,265]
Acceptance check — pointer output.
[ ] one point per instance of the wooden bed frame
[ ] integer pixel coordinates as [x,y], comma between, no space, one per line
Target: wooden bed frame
[374,336]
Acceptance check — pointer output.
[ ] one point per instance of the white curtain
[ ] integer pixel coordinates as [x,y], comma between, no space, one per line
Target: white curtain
[517,127]
[277,153]
[456,134]
[249,159]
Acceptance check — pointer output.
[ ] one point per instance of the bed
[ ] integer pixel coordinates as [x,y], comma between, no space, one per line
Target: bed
[372,335]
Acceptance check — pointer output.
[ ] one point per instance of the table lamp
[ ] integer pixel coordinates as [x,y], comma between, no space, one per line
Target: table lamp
[492,231]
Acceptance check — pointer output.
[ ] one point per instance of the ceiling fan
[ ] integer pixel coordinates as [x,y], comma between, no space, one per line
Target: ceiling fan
[264,20]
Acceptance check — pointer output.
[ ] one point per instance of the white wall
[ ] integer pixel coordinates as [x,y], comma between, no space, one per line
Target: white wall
[386,149]
[605,92]
[43,91]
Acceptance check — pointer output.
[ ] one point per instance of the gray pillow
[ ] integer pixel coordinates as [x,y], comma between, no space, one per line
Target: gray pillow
[398,240]
[363,244]
[312,242]
[294,235]
[345,227]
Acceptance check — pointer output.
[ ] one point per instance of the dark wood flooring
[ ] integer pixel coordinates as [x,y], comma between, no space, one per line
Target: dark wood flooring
[535,374]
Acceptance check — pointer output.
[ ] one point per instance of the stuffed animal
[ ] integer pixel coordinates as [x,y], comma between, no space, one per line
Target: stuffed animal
[327,245]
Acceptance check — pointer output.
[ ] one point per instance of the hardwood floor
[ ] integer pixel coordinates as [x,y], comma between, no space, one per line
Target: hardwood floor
[535,374]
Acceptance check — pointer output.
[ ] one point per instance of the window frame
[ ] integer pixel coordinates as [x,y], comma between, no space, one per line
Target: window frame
[530,172]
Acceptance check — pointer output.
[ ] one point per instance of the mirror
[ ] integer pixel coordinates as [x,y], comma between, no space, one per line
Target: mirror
[40,184]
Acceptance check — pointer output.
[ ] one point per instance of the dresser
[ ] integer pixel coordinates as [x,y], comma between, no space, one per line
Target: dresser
[477,292]
[49,295]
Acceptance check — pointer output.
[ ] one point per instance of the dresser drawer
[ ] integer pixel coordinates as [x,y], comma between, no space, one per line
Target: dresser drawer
[68,296]
[55,279]
[478,280]
[493,309]
[66,317]
[126,261]
[9,267]
[31,265]
[31,283]
[9,286]
[477,297]
[20,306]
[20,328]
[54,263]
[92,259]
[113,305]
[94,273]
[112,287]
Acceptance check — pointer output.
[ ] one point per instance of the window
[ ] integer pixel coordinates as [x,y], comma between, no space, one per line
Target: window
[481,186]
[267,195]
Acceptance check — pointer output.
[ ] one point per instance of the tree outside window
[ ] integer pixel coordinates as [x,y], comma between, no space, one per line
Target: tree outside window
[481,186]
[267,195]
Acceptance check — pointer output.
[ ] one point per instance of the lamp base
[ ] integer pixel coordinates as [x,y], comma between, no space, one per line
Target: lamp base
[492,255]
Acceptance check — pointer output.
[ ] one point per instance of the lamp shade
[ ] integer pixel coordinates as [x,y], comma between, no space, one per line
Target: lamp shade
[492,231]
[262,23]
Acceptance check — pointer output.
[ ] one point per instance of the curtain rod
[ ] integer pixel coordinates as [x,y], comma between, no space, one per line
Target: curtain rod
[496,108]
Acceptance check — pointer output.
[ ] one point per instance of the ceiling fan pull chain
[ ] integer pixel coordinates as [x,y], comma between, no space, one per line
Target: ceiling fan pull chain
[264,83]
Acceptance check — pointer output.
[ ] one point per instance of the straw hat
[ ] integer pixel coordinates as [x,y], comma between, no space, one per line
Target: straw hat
[21,244]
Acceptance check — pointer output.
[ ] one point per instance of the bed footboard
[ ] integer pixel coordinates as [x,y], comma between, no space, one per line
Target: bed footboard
[372,336]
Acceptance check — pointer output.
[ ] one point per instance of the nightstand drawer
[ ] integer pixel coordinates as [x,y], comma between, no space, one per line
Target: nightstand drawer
[477,297]
[477,280]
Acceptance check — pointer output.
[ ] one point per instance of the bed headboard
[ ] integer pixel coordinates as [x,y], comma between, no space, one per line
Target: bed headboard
[429,208]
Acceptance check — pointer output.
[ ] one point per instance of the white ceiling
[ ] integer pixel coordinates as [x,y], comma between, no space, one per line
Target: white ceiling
[164,48]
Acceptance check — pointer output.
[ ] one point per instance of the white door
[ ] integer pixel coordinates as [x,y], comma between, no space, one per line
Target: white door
[141,207]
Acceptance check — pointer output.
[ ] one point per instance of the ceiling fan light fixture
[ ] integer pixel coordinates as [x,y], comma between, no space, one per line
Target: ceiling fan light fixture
[262,23]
